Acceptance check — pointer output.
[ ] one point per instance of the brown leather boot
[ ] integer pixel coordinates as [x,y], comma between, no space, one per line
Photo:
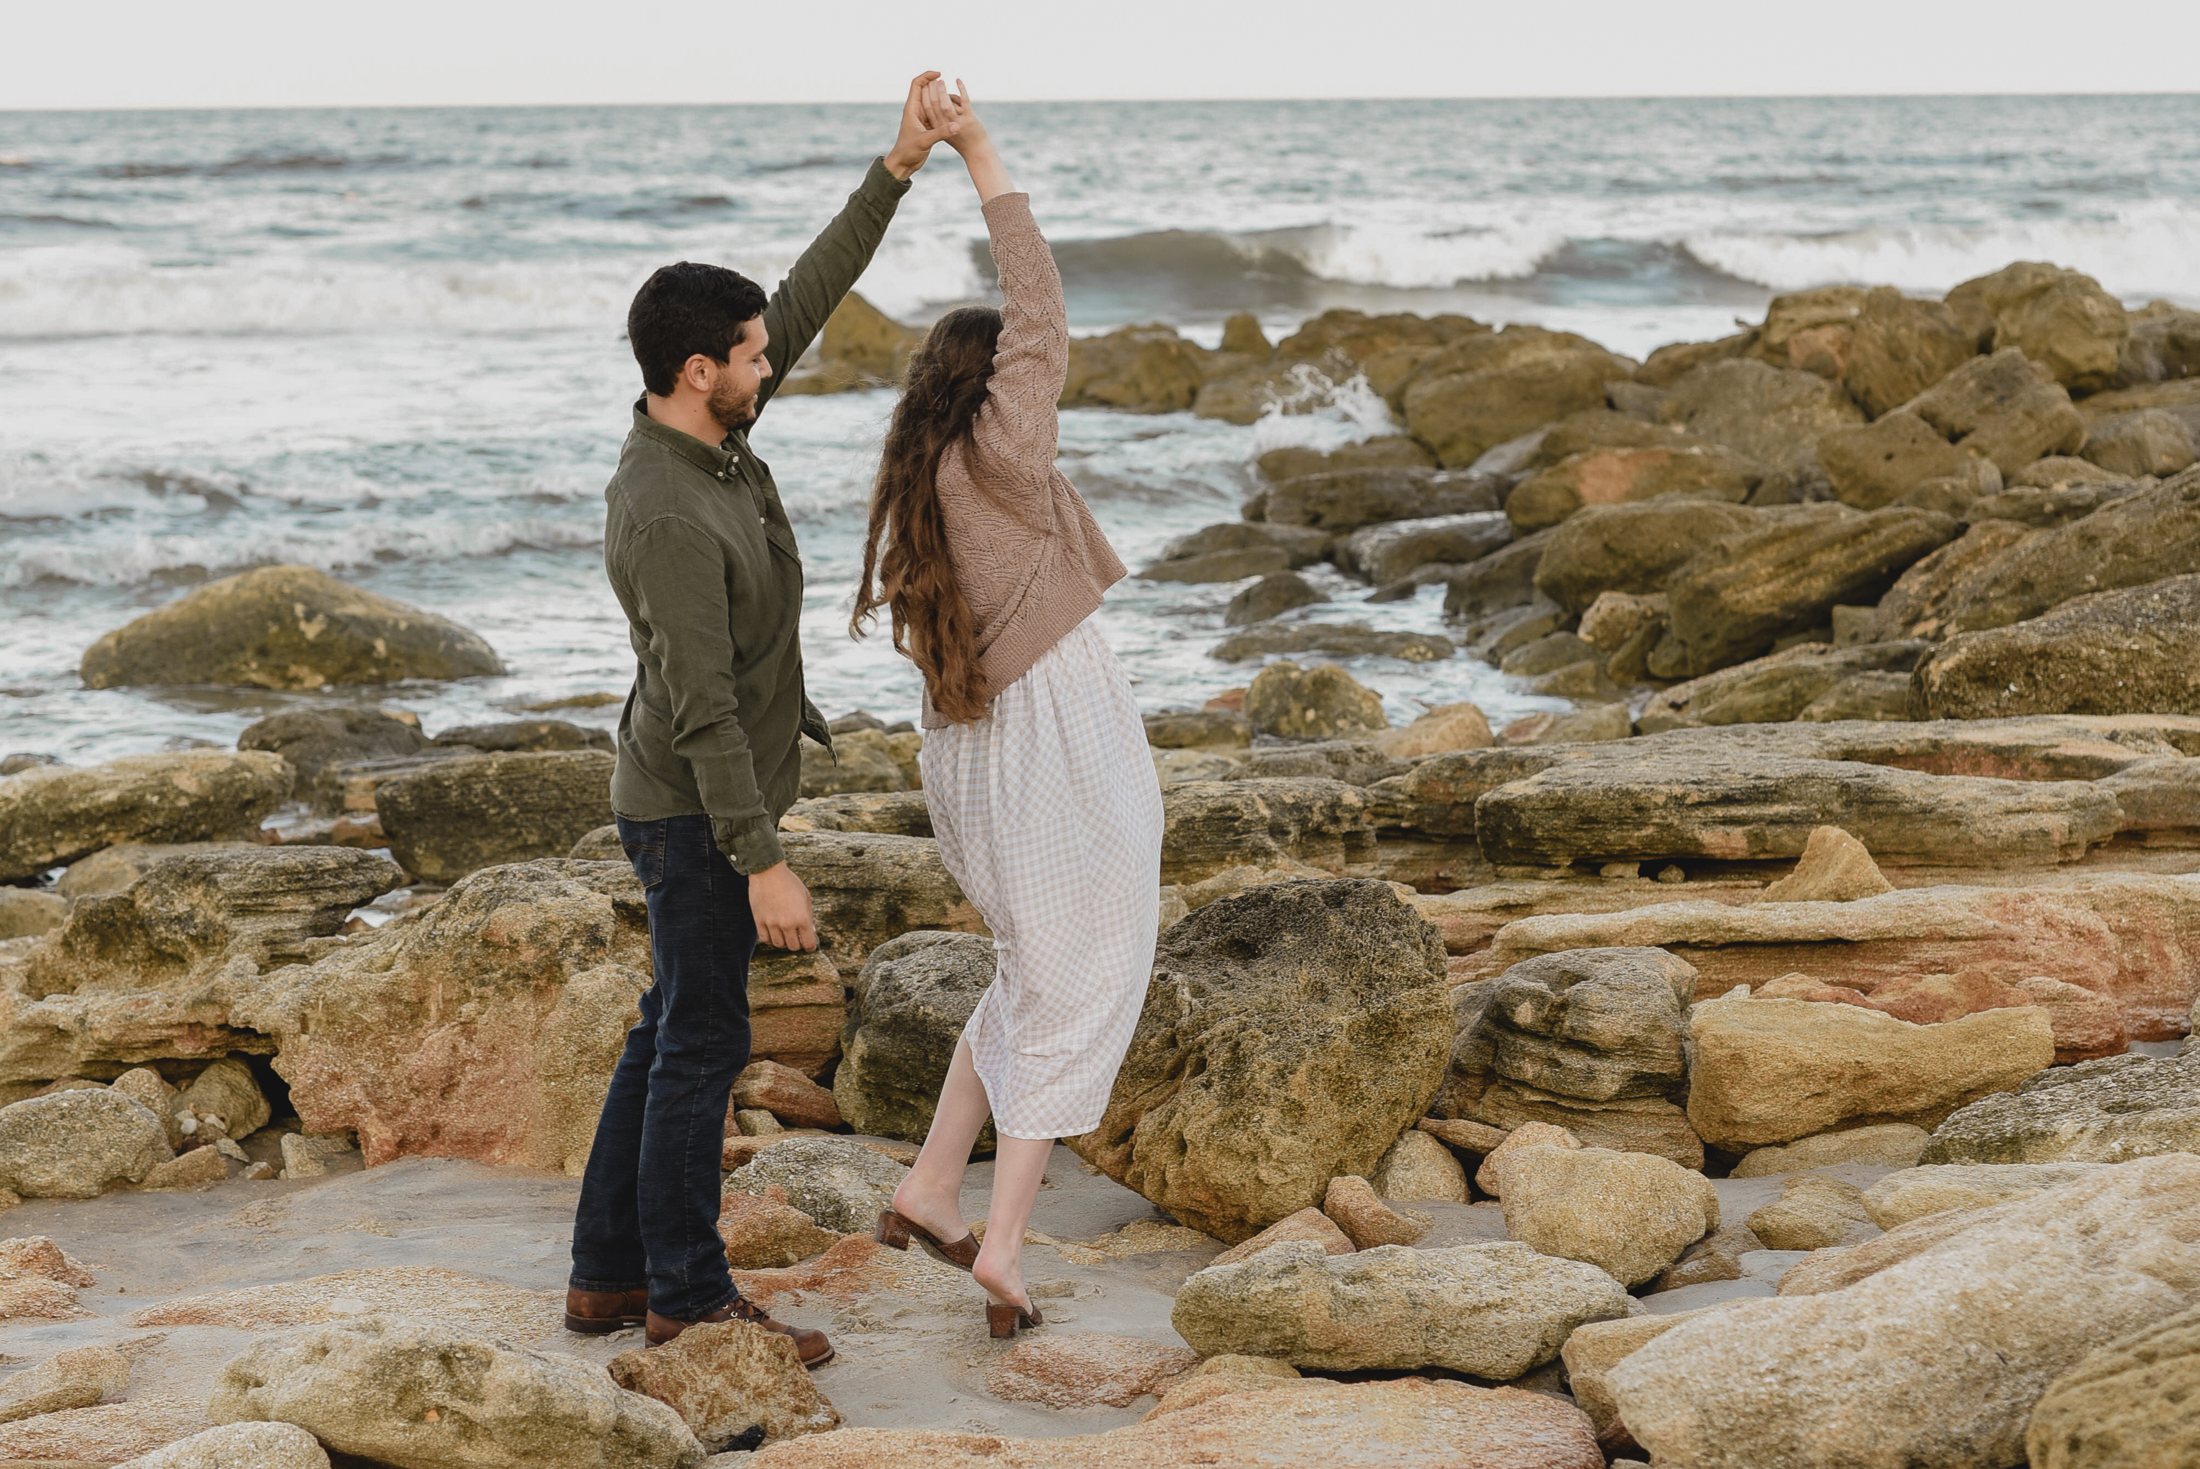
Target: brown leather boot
[599,1311]
[811,1346]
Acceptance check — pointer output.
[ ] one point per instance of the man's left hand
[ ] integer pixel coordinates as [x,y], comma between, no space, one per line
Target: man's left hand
[913,141]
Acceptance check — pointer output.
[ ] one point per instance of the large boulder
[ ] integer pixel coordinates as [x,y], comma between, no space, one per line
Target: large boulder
[1631,548]
[483,1027]
[2006,408]
[285,627]
[317,741]
[868,887]
[2131,542]
[2103,1111]
[1338,501]
[2060,319]
[1555,1038]
[1319,703]
[1145,369]
[1937,1360]
[1737,596]
[1871,465]
[1624,476]
[1491,1310]
[77,1144]
[1771,1071]
[1485,389]
[912,999]
[459,816]
[1290,1033]
[1917,605]
[52,815]
[366,1388]
[2126,1403]
[152,972]
[2131,651]
[1212,826]
[1628,1214]
[1776,416]
[1901,346]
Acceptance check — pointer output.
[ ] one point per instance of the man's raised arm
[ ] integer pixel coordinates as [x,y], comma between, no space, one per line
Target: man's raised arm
[837,257]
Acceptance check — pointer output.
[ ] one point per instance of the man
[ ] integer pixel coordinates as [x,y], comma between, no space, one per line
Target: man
[700,552]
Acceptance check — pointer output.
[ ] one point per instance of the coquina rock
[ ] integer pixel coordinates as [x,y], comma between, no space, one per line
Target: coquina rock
[1238,1418]
[2104,1111]
[285,627]
[483,1027]
[2125,1403]
[2056,317]
[2135,650]
[2139,539]
[1492,1310]
[1557,1038]
[1735,597]
[1775,416]
[1143,369]
[1212,826]
[912,999]
[868,887]
[1937,1360]
[1385,553]
[1250,1082]
[1237,549]
[1319,703]
[1309,700]
[52,815]
[2132,938]
[1916,1192]
[735,1385]
[77,1144]
[316,742]
[364,1387]
[152,972]
[1632,548]
[459,816]
[1339,501]
[1485,389]
[840,1184]
[1771,1071]
[1628,1214]
[261,1445]
[1810,681]
[1617,476]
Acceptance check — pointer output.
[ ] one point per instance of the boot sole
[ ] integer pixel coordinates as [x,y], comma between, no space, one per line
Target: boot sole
[601,1325]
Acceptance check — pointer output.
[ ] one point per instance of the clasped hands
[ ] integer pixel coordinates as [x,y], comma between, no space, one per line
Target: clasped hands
[932,114]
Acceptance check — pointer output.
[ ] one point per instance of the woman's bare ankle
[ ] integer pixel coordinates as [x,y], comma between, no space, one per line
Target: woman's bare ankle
[933,1211]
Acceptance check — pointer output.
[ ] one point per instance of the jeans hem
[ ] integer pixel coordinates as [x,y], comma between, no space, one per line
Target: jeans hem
[578,1282]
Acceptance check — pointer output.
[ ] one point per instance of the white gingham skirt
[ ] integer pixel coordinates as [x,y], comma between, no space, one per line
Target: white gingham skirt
[1048,813]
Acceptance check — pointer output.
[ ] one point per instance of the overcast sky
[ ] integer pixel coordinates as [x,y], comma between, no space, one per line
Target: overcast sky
[136,53]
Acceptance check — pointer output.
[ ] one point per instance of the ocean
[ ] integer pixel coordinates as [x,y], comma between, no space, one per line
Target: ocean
[388,343]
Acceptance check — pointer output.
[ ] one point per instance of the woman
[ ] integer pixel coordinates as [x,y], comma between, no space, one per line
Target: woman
[1035,763]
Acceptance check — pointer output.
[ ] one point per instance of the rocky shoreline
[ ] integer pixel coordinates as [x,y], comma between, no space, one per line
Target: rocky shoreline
[1778,1058]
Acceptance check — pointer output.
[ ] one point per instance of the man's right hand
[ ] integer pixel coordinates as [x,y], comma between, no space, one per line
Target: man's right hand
[781,906]
[919,130]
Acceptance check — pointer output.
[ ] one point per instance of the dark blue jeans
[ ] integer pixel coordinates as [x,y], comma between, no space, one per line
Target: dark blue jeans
[649,1199]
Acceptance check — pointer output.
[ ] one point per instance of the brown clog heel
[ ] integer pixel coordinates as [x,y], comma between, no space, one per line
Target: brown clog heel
[896,1230]
[1001,1321]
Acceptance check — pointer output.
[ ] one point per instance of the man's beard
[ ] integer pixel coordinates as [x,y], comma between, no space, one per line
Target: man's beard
[733,409]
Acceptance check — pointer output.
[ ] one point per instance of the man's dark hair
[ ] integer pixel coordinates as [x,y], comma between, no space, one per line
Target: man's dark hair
[685,309]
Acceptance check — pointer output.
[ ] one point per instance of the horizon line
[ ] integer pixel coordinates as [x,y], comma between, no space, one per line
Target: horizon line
[1081,101]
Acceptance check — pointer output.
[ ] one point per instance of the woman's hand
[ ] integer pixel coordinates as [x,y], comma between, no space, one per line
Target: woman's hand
[967,135]
[914,139]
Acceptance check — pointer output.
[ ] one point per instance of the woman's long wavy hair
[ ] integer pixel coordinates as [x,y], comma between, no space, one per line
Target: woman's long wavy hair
[906,566]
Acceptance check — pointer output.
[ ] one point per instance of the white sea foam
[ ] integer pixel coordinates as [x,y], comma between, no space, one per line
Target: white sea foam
[132,558]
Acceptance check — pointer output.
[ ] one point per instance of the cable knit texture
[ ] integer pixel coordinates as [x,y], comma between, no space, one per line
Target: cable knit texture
[1032,561]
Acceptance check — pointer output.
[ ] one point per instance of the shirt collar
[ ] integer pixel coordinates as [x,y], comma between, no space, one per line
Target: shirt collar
[711,459]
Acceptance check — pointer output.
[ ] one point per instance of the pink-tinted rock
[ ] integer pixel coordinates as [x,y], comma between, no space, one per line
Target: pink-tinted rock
[787,1094]
[1359,1212]
[1311,1225]
[1088,1371]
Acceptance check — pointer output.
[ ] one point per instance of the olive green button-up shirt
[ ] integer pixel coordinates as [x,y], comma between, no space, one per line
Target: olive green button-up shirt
[703,560]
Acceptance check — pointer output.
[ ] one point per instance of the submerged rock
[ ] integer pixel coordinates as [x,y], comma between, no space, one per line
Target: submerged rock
[1250,1082]
[285,627]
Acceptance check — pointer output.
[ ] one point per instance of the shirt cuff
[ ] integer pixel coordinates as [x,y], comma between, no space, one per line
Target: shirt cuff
[750,844]
[880,180]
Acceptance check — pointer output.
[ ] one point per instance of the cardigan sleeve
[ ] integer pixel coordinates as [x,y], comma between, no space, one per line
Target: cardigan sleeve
[1014,438]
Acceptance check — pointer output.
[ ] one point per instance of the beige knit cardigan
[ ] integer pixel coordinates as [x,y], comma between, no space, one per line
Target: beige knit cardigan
[1032,561]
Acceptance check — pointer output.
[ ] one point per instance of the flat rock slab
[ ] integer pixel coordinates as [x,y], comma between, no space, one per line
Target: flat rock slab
[1736,808]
